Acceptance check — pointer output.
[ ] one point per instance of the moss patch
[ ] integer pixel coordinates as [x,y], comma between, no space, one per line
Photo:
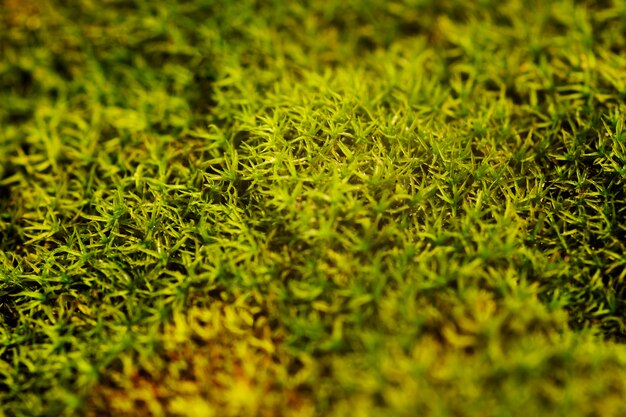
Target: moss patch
[331,208]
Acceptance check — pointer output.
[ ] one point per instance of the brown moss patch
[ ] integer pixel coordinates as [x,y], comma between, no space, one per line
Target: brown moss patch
[217,360]
[22,14]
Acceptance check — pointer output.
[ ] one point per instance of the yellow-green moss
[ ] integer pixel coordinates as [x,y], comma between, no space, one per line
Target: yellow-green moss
[326,208]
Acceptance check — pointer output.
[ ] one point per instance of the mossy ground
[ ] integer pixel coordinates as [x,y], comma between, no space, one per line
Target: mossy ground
[275,208]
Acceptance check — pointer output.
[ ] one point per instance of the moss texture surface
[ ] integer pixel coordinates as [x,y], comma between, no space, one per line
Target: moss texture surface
[325,208]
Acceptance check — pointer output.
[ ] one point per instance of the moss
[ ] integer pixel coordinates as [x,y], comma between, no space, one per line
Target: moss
[321,208]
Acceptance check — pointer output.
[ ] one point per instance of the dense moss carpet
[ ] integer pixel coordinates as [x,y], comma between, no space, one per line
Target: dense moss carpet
[312,208]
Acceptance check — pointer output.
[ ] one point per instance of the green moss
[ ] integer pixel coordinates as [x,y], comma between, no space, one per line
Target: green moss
[320,208]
